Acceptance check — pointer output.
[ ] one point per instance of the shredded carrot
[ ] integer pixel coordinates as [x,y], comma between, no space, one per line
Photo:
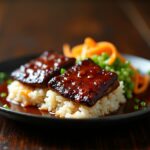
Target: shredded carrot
[99,49]
[77,50]
[66,50]
[89,42]
[121,57]
[140,83]
[112,48]
[90,47]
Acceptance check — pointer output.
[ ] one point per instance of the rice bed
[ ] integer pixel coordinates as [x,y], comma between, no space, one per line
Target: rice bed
[62,107]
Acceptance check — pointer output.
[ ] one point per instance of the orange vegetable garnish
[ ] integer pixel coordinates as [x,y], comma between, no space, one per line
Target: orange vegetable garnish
[90,47]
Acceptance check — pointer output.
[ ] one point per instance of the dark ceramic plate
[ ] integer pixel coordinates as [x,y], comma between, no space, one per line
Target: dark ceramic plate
[46,120]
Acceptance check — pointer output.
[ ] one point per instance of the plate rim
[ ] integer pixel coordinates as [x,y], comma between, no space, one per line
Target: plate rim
[101,119]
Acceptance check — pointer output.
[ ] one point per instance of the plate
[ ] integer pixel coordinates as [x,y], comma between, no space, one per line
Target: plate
[46,120]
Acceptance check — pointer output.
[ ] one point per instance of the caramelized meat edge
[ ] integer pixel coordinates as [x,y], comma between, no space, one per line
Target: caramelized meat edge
[39,71]
[85,83]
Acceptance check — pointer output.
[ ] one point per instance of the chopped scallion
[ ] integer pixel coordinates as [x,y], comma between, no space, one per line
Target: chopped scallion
[3,94]
[123,69]
[3,76]
[136,107]
[143,104]
[136,100]
[6,106]
[9,81]
[62,71]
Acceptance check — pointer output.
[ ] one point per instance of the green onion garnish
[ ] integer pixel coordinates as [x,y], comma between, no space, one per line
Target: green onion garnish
[3,76]
[62,71]
[136,100]
[3,94]
[136,107]
[123,69]
[6,106]
[143,104]
[9,81]
[129,94]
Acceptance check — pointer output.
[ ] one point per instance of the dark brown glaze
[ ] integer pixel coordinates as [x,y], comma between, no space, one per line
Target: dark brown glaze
[85,83]
[14,107]
[128,107]
[39,71]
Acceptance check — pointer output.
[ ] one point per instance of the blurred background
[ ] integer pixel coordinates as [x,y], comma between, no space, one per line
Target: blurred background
[32,26]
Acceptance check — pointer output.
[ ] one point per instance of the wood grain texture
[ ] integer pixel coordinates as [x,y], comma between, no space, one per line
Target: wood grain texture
[15,135]
[33,26]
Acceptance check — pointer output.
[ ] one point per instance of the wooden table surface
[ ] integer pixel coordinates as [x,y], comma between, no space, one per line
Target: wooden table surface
[28,27]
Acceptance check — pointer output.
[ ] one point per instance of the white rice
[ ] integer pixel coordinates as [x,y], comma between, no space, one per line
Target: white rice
[65,108]
[51,101]
[25,95]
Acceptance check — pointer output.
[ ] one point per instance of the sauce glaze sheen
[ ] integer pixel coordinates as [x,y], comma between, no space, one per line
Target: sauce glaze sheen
[124,108]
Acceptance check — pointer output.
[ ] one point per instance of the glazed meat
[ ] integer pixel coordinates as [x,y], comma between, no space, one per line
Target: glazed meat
[40,70]
[85,83]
